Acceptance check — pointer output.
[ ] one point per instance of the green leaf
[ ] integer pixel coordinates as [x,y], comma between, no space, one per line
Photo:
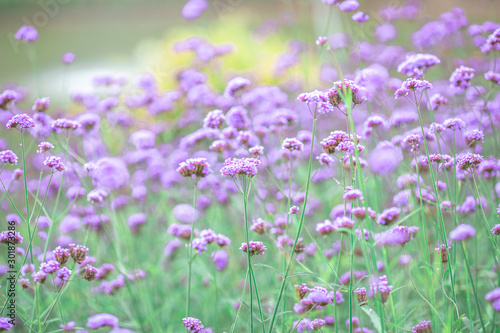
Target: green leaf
[375,319]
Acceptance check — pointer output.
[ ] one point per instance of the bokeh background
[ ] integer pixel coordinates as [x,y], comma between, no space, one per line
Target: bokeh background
[135,36]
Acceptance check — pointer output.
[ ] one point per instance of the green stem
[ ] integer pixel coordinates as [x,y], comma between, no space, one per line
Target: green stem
[190,252]
[301,222]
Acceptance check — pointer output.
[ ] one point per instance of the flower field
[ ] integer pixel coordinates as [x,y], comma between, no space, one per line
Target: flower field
[335,169]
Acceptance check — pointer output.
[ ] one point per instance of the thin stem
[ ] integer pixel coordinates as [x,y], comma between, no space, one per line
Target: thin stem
[301,222]
[190,251]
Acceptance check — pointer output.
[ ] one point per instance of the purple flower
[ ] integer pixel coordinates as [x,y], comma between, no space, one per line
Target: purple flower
[49,267]
[64,124]
[399,235]
[198,167]
[135,221]
[21,122]
[389,216]
[413,85]
[496,229]
[97,196]
[6,237]
[41,104]
[292,144]
[68,58]
[462,232]
[54,163]
[44,147]
[385,32]
[492,76]
[422,327]
[220,259]
[5,324]
[102,320]
[415,64]
[143,139]
[27,34]
[344,90]
[256,248]
[317,323]
[111,173]
[492,42]
[193,325]
[469,161]
[8,156]
[348,5]
[237,117]
[214,119]
[236,85]
[331,142]
[194,8]
[222,240]
[8,96]
[322,40]
[240,166]
[360,17]
[61,255]
[63,273]
[351,194]
[494,298]
[461,77]
[474,136]
[437,100]
[455,124]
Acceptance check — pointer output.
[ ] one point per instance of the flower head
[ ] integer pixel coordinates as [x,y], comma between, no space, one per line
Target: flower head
[240,166]
[8,157]
[27,34]
[21,122]
[462,232]
[256,248]
[461,77]
[198,167]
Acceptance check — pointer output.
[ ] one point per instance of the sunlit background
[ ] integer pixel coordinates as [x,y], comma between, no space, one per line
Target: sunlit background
[136,36]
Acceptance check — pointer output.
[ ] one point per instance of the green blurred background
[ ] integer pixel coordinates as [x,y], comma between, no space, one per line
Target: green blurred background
[133,36]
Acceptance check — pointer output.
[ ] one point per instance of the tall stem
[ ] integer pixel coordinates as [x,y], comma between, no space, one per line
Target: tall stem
[245,193]
[301,222]
[190,251]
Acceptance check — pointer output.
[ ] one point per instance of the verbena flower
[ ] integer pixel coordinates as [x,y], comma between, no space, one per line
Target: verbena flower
[346,90]
[389,216]
[8,157]
[68,58]
[235,86]
[462,232]
[21,122]
[455,124]
[240,166]
[198,167]
[63,273]
[41,104]
[469,161]
[360,17]
[102,320]
[414,65]
[26,34]
[256,248]
[64,124]
[292,144]
[54,163]
[412,84]
[422,327]
[44,147]
[461,77]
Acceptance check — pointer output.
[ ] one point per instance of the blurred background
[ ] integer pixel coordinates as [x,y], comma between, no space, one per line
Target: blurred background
[135,36]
